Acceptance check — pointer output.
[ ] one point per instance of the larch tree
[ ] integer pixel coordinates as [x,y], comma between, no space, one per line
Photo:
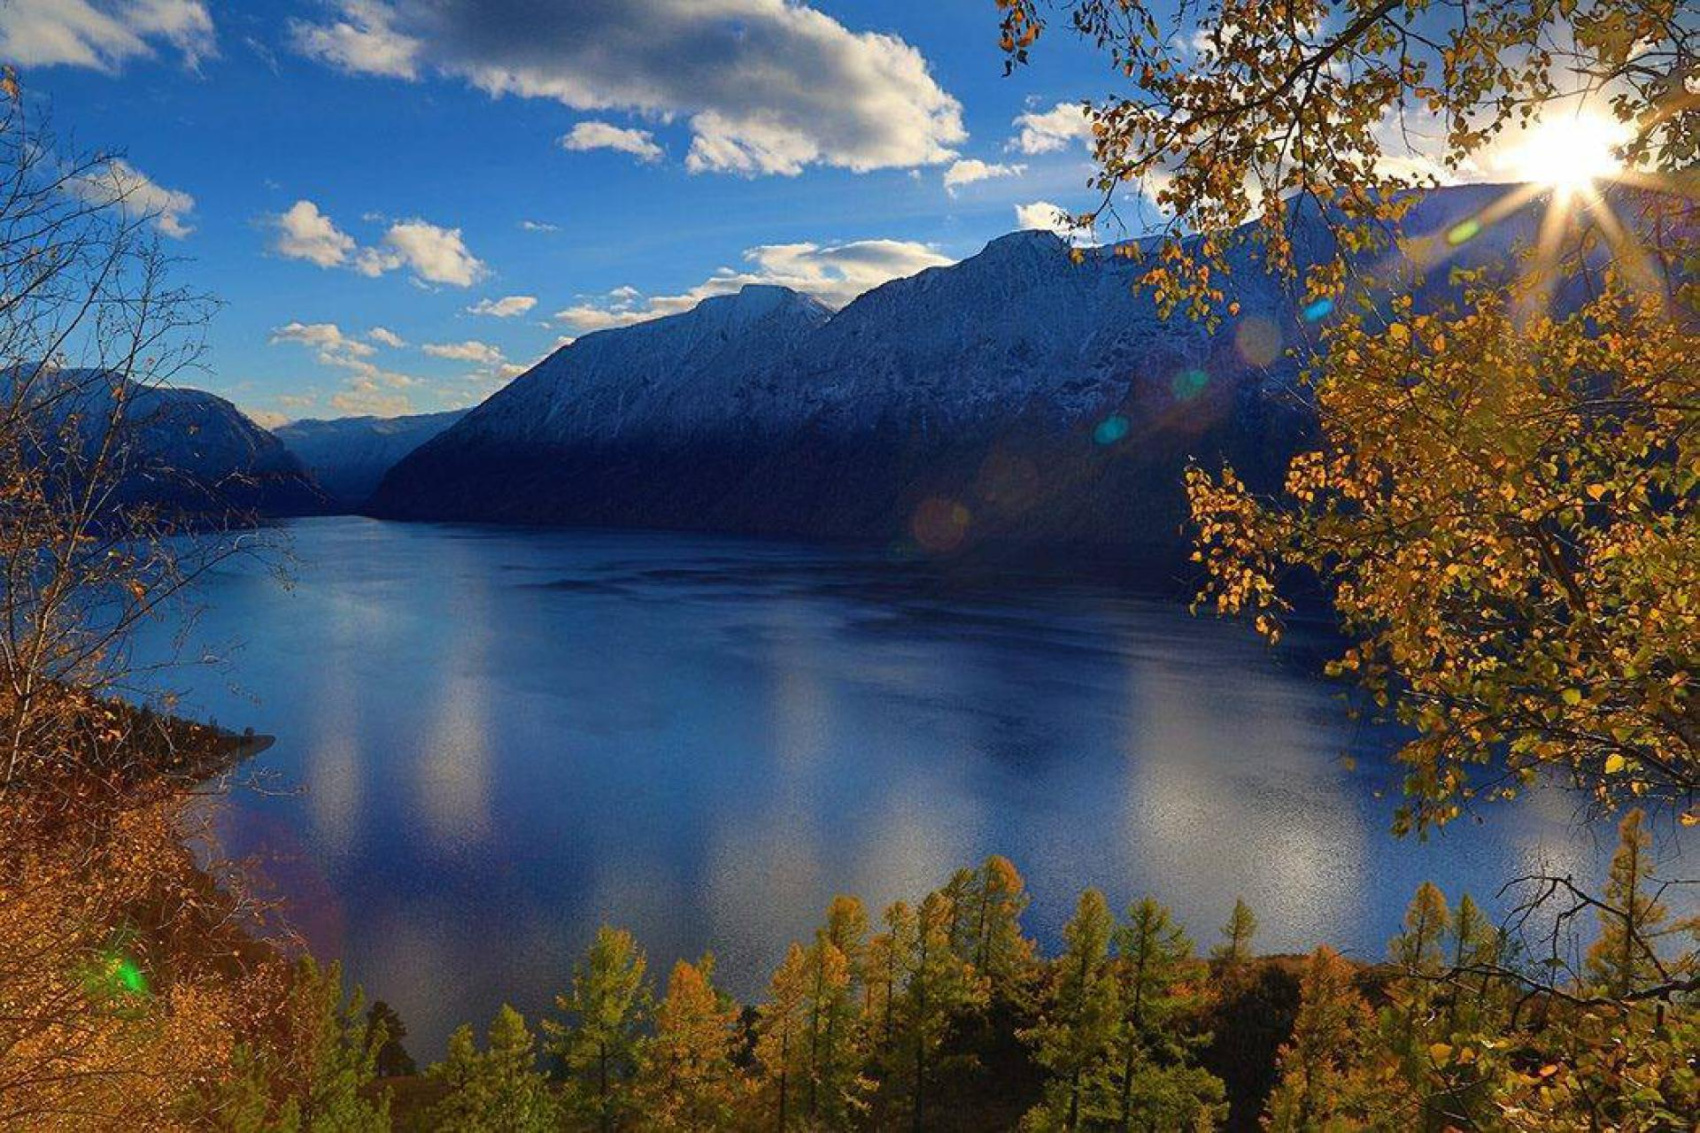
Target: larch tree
[496,1090]
[598,1039]
[1002,951]
[884,973]
[1162,992]
[832,1052]
[1318,1064]
[1237,936]
[939,990]
[1079,1024]
[687,1080]
[782,1030]
[1625,959]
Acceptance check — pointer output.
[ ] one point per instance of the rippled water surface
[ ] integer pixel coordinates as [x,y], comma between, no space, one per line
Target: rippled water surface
[494,740]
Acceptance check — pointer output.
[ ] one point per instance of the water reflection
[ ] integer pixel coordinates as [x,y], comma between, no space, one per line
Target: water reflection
[507,738]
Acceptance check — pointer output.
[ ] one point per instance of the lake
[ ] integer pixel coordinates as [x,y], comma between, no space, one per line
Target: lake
[489,741]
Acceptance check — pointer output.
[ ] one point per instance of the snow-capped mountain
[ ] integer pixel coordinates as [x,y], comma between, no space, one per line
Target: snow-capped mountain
[1016,395]
[349,455]
[186,449]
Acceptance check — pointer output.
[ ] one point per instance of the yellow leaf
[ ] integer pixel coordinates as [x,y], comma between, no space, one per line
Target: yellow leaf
[1440,1052]
[1614,764]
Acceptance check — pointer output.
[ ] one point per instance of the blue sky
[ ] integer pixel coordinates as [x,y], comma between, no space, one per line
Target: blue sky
[401,203]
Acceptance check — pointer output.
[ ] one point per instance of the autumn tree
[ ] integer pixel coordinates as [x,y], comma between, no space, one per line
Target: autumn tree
[1316,1088]
[782,1035]
[687,1080]
[1162,991]
[882,988]
[1079,1024]
[939,988]
[598,1038]
[1500,499]
[495,1090]
[1237,935]
[1625,959]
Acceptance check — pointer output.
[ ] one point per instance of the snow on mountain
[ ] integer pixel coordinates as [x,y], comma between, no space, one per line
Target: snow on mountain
[349,455]
[1027,396]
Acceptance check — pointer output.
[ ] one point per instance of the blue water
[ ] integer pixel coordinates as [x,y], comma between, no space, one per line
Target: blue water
[490,741]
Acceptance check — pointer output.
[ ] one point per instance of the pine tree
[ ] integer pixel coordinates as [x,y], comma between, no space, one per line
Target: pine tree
[598,1040]
[498,1090]
[687,1080]
[1161,985]
[1624,959]
[1237,935]
[1317,1062]
[782,1033]
[1078,1029]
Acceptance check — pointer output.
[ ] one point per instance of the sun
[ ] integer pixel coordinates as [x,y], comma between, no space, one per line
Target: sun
[1569,153]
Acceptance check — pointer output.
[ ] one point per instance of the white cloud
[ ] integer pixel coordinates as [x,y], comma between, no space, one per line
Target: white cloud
[539,226]
[507,307]
[384,336]
[119,182]
[1047,131]
[765,86]
[305,233]
[369,399]
[469,351]
[835,274]
[972,169]
[432,253]
[327,338]
[1046,217]
[605,135]
[365,41]
[267,418]
[370,388]
[103,34]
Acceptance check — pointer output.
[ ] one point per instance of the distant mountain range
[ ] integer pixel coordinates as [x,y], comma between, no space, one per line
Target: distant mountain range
[349,455]
[189,451]
[1016,396]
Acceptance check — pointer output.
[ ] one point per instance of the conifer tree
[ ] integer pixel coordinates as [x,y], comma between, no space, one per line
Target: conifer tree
[331,1058]
[1237,935]
[1624,958]
[831,1064]
[883,975]
[1475,944]
[599,1039]
[1317,1062]
[1161,984]
[1001,951]
[1076,1036]
[687,1080]
[497,1090]
[782,1035]
[939,988]
[847,929]
[388,1031]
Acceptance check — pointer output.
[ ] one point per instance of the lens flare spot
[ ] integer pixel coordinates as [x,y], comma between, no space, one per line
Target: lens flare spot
[1188,384]
[1463,232]
[1111,429]
[1258,341]
[940,525]
[1320,309]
